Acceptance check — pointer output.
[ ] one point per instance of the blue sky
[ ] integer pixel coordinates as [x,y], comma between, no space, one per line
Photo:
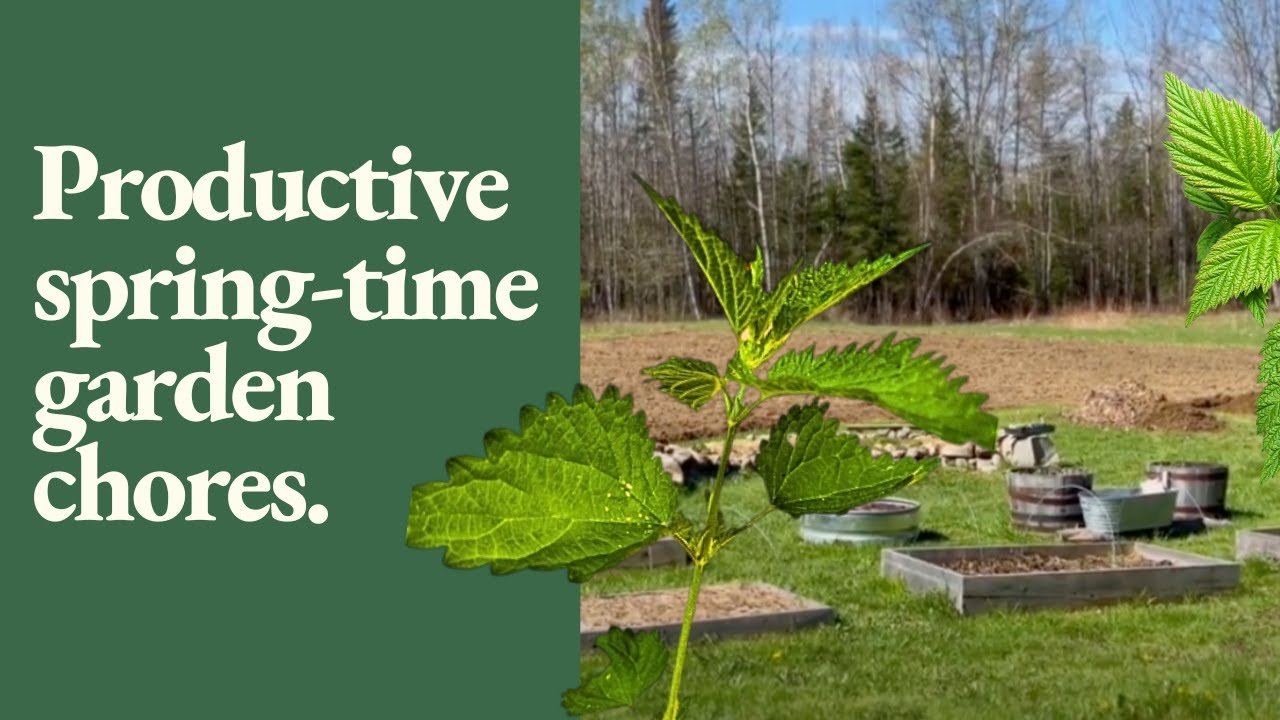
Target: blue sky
[1113,14]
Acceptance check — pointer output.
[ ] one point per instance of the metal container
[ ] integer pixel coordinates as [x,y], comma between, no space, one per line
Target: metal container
[1047,499]
[1122,510]
[1202,487]
[887,521]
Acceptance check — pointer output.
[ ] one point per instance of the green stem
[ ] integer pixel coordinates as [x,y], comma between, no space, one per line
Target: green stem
[713,503]
[703,551]
[682,647]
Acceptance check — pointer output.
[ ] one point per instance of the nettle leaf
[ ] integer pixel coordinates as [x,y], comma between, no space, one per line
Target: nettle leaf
[762,320]
[1205,201]
[916,388]
[1269,402]
[578,487]
[806,293]
[1246,258]
[1212,234]
[1220,147]
[636,661]
[692,382]
[735,282]
[808,467]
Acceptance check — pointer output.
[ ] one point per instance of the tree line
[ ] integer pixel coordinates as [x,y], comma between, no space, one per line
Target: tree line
[1023,140]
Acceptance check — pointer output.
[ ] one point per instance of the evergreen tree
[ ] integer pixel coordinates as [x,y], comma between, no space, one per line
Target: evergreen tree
[742,179]
[877,167]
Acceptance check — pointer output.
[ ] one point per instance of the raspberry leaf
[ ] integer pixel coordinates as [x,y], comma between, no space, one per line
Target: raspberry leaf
[1212,234]
[1205,201]
[1246,258]
[1220,147]
[1269,402]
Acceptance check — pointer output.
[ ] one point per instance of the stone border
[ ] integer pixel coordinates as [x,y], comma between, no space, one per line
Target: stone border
[1190,574]
[810,613]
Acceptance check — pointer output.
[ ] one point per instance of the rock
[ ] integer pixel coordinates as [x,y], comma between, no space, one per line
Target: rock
[949,450]
[1033,451]
[917,453]
[1005,446]
[679,454]
[987,464]
[672,468]
[898,453]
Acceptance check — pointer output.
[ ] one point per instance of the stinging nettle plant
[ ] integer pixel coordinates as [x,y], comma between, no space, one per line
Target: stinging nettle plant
[1228,162]
[579,486]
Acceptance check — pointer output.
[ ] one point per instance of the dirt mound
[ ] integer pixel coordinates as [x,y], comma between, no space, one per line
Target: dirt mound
[1246,404]
[1130,404]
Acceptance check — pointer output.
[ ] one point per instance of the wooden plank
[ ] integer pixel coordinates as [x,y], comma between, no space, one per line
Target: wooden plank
[1262,543]
[920,575]
[1099,587]
[808,613]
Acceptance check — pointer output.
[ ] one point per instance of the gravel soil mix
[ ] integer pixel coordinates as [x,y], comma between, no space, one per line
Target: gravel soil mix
[663,607]
[1039,562]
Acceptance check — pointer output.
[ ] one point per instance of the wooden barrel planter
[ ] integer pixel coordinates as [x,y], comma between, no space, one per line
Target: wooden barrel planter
[1202,487]
[1047,499]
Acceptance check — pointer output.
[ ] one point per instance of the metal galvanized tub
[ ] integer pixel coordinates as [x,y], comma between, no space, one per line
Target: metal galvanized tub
[1047,499]
[887,521]
[1116,511]
[1202,487]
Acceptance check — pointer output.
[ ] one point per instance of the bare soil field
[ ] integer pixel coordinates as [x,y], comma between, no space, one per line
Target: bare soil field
[1012,371]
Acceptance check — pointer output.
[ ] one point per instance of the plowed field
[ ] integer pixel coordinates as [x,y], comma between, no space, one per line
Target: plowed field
[1012,371]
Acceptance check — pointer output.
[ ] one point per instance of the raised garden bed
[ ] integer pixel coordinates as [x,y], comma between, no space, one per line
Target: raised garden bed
[1026,577]
[723,610]
[1258,544]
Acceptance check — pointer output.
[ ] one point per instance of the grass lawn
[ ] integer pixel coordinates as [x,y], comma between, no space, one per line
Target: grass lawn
[895,655]
[1226,328]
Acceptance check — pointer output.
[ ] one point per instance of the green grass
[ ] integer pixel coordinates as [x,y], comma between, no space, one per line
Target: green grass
[896,655]
[1228,328]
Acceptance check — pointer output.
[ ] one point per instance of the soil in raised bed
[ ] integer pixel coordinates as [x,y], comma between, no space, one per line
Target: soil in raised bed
[1040,562]
[666,607]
